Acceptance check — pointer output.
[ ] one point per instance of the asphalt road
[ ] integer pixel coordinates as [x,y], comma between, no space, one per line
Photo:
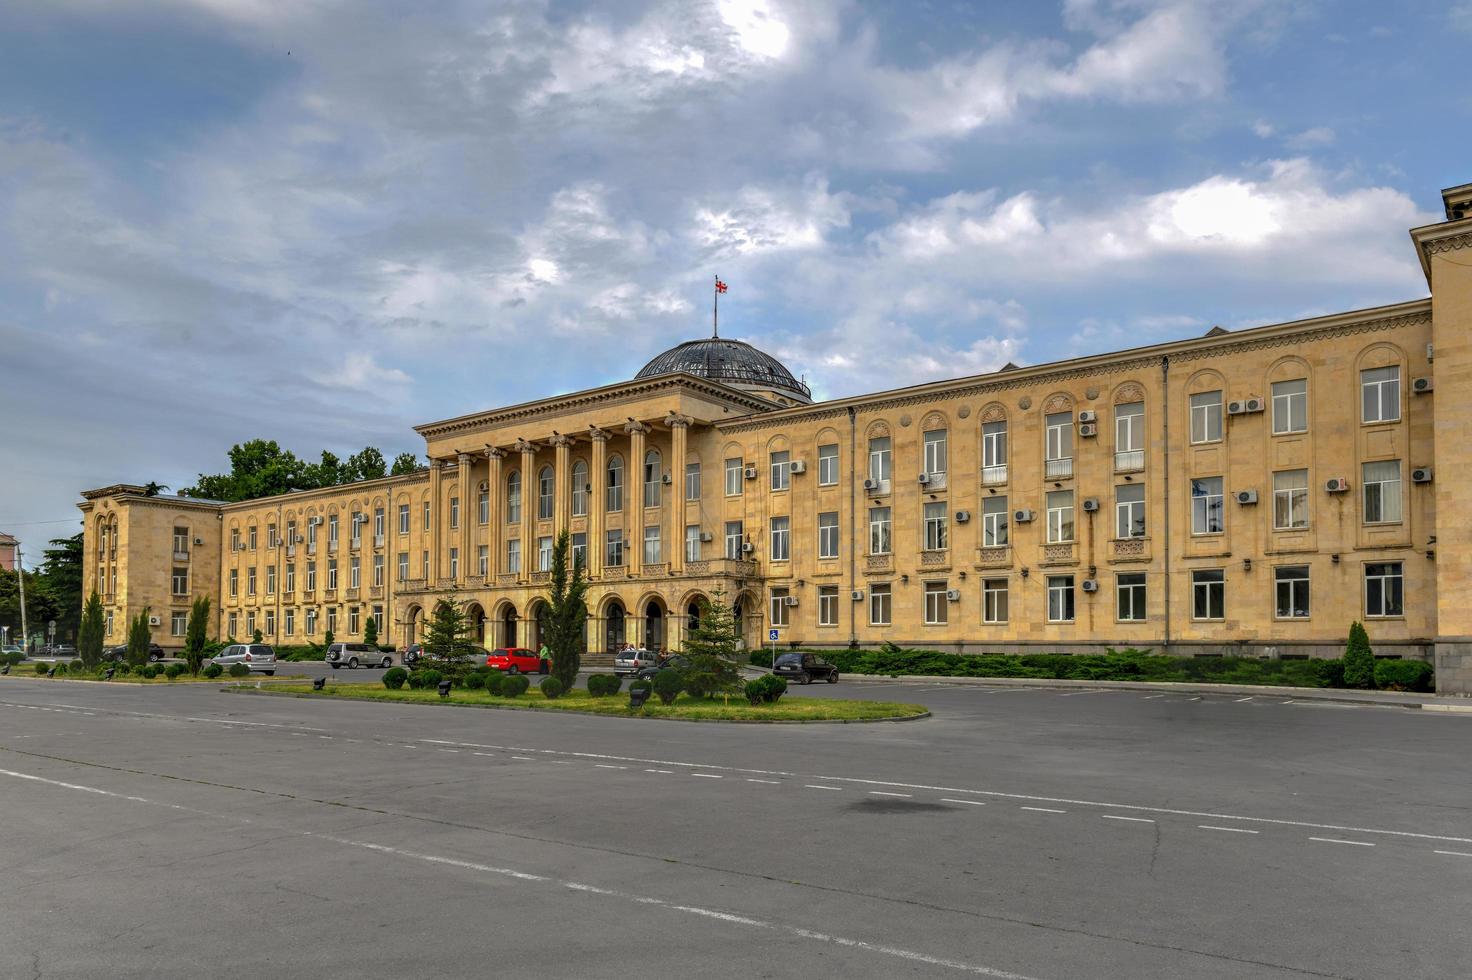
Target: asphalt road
[184,832]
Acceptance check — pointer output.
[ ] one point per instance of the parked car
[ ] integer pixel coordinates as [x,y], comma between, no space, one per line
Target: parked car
[10,648]
[117,654]
[352,655]
[256,656]
[805,668]
[517,660]
[631,661]
[412,654]
[674,661]
[60,651]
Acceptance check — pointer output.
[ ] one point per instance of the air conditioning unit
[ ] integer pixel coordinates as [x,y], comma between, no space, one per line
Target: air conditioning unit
[798,466]
[155,621]
[747,547]
[953,595]
[1421,474]
[665,479]
[1421,386]
[1089,585]
[871,485]
[749,472]
[924,479]
[1091,504]
[857,595]
[1088,430]
[789,600]
[707,536]
[300,539]
[314,520]
[240,546]
[962,516]
[1246,406]
[1336,484]
[199,541]
[1088,416]
[1023,516]
[1246,496]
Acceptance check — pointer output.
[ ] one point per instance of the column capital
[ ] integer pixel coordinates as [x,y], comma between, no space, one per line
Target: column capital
[633,426]
[597,434]
[677,421]
[493,453]
[443,463]
[463,459]
[559,440]
[524,447]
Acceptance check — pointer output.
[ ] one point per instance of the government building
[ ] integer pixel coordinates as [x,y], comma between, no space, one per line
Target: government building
[1251,491]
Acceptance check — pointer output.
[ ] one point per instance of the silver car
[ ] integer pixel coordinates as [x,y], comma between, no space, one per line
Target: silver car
[357,655]
[257,656]
[632,661]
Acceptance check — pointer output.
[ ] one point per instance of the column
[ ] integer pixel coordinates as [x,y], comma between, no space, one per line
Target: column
[561,493]
[634,552]
[679,425]
[467,517]
[435,537]
[598,477]
[528,507]
[497,484]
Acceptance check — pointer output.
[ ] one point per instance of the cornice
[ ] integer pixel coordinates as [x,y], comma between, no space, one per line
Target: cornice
[337,490]
[1444,236]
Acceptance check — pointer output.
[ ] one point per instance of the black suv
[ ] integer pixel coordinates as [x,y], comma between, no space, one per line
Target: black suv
[804,668]
[117,654]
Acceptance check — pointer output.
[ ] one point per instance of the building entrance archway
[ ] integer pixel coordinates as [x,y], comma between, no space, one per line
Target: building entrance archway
[654,626]
[615,628]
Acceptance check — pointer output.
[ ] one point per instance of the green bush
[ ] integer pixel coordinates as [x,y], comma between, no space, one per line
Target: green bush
[429,680]
[213,671]
[41,669]
[514,685]
[76,667]
[236,670]
[179,670]
[60,668]
[767,689]
[124,669]
[641,684]
[604,685]
[475,682]
[551,688]
[668,684]
[12,658]
[1359,659]
[1329,672]
[1404,675]
[493,682]
[755,691]
[416,680]
[148,671]
[394,678]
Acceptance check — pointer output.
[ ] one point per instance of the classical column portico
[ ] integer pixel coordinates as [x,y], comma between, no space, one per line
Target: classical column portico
[528,452]
[597,502]
[462,536]
[679,426]
[561,495]
[496,483]
[634,536]
[436,476]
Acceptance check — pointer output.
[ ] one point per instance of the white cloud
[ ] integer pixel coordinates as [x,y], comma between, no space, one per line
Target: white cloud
[359,372]
[763,219]
[758,29]
[1313,138]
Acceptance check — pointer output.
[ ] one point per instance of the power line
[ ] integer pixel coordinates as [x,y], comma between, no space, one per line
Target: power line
[64,520]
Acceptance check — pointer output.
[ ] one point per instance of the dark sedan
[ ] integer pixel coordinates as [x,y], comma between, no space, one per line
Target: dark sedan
[805,668]
[674,660]
[119,653]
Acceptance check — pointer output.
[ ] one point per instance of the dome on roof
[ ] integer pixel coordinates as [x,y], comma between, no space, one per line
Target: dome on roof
[730,362]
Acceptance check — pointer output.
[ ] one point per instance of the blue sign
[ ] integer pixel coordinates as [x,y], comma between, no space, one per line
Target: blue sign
[772,635]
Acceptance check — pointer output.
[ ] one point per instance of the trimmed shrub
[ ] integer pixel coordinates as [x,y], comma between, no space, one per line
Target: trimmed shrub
[430,679]
[1404,675]
[514,685]
[149,671]
[1330,672]
[475,682]
[41,669]
[76,666]
[60,669]
[641,684]
[1359,659]
[236,670]
[13,658]
[551,688]
[604,685]
[667,685]
[213,671]
[124,669]
[755,691]
[493,682]
[394,678]
[179,670]
[775,688]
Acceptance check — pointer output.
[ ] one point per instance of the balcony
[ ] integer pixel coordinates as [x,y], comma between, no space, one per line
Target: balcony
[1059,469]
[291,551]
[878,564]
[408,585]
[935,559]
[1129,461]
[181,554]
[659,569]
[375,592]
[1058,553]
[994,476]
[352,593]
[615,571]
[508,578]
[541,578]
[995,557]
[733,567]
[1129,549]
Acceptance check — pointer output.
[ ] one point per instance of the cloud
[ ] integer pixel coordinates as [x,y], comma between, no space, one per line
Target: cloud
[1313,138]
[359,372]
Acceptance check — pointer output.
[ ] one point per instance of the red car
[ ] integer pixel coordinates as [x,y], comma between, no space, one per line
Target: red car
[517,660]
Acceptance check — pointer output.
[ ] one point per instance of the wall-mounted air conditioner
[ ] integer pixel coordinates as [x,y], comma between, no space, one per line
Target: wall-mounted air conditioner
[1091,504]
[1087,416]
[1246,496]
[798,466]
[1090,585]
[962,516]
[1421,474]
[1023,516]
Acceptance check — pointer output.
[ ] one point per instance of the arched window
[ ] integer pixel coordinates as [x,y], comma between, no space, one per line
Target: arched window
[546,491]
[615,494]
[513,498]
[651,478]
[579,489]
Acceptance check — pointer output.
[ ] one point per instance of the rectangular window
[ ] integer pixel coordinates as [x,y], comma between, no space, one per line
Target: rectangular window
[936,607]
[271,622]
[880,463]
[827,605]
[936,537]
[1290,406]
[993,452]
[1059,445]
[1129,589]
[1383,589]
[1290,499]
[378,619]
[692,542]
[1380,395]
[692,481]
[652,546]
[234,583]
[613,497]
[652,480]
[734,477]
[546,494]
[353,621]
[454,514]
[1208,593]
[1292,590]
[378,527]
[331,574]
[1060,516]
[1060,598]
[735,537]
[250,537]
[229,629]
[272,538]
[778,607]
[994,600]
[403,518]
[235,539]
[580,490]
[1129,437]
[1129,511]
[289,622]
[403,566]
[270,580]
[1382,492]
[180,581]
[781,470]
[879,604]
[935,456]
[378,570]
[290,577]
[513,556]
[332,619]
[356,528]
[781,531]
[828,535]
[483,560]
[181,540]
[827,466]
[994,522]
[483,506]
[250,622]
[879,531]
[579,549]
[613,555]
[454,563]
[426,515]
[332,537]
[355,572]
[311,621]
[1207,515]
[544,553]
[312,526]
[178,623]
[424,564]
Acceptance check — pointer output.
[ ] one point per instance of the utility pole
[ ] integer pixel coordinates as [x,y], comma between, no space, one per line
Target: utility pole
[20,573]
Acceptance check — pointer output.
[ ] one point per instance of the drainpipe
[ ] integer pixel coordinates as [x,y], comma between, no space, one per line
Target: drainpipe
[1165,418]
[853,530]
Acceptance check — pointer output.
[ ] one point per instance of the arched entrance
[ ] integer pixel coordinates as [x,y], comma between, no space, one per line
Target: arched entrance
[508,626]
[475,622]
[537,627]
[412,625]
[654,626]
[614,626]
[744,610]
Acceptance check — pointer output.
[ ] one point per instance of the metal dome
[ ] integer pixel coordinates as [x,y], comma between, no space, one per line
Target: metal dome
[729,362]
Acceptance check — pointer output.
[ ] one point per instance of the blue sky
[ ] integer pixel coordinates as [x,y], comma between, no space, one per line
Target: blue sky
[325,221]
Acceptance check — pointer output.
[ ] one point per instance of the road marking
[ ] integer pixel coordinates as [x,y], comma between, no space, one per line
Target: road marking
[329,736]
[1241,700]
[488,755]
[878,792]
[1074,694]
[599,765]
[1043,809]
[451,751]
[707,775]
[1460,854]
[770,782]
[523,758]
[1115,816]
[1335,840]
[1230,830]
[1153,697]
[835,789]
[664,771]
[1193,699]
[967,802]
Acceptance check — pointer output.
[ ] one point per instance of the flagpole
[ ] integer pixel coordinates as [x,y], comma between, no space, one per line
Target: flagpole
[715,310]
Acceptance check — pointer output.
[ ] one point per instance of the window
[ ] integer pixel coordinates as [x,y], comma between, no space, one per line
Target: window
[828,535]
[290,577]
[291,536]
[454,515]
[781,528]
[994,600]
[879,604]
[229,630]
[1290,499]
[378,618]
[250,622]
[827,605]
[1129,591]
[332,619]
[936,608]
[994,522]
[425,564]
[355,528]
[579,489]
[827,466]
[312,526]
[403,567]
[580,549]
[270,580]
[180,581]
[613,555]
[1129,436]
[1059,442]
[355,572]
[234,582]
[651,478]
[734,539]
[181,540]
[781,470]
[1382,492]
[692,481]
[235,539]
[880,462]
[331,574]
[546,493]
[935,456]
[1290,406]
[1060,598]
[994,452]
[378,570]
[513,556]
[272,538]
[778,607]
[1129,511]
[1208,593]
[483,505]
[311,621]
[353,621]
[250,537]
[652,545]
[332,533]
[271,622]
[1060,516]
[1383,589]
[935,526]
[1207,516]
[614,495]
[289,622]
[483,560]
[544,553]
[879,531]
[513,498]
[178,623]
[1292,589]
[1380,395]
[426,515]
[734,476]
[378,522]
[692,542]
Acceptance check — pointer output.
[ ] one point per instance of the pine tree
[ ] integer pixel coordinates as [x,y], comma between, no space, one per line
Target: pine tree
[89,639]
[139,636]
[1359,659]
[448,637]
[713,647]
[370,632]
[567,615]
[194,633]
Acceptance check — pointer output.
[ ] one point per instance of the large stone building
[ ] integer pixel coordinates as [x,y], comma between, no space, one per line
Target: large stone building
[1254,490]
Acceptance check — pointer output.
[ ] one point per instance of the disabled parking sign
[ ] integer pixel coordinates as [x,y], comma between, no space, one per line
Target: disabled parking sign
[772,635]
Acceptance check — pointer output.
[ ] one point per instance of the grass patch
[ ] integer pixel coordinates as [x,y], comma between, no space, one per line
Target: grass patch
[134,678]
[579,701]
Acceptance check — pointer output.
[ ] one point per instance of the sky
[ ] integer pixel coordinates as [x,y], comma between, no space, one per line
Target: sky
[326,221]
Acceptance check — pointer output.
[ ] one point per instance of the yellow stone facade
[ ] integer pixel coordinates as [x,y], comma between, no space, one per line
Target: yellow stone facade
[1179,498]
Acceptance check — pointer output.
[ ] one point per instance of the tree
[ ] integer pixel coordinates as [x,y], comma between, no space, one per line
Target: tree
[41,604]
[1359,659]
[404,464]
[153,489]
[139,637]
[370,631]
[89,640]
[447,638]
[61,573]
[194,633]
[367,465]
[256,637]
[567,613]
[713,648]
[261,468]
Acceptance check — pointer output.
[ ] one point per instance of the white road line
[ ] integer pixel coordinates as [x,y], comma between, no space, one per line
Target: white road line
[1335,840]
[664,771]
[1153,697]
[1074,694]
[452,751]
[1193,699]
[1115,816]
[1230,830]
[967,802]
[523,758]
[598,765]
[769,782]
[878,792]
[835,789]
[707,775]
[1241,700]
[1460,854]
[1043,809]
[488,755]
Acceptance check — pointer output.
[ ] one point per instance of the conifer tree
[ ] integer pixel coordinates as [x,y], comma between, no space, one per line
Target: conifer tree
[1359,659]
[713,648]
[139,637]
[195,633]
[567,615]
[89,639]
